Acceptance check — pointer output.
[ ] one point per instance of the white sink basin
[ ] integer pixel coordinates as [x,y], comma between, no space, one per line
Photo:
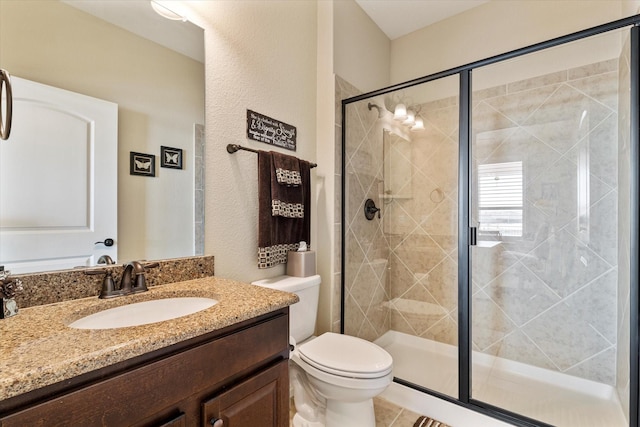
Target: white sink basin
[143,313]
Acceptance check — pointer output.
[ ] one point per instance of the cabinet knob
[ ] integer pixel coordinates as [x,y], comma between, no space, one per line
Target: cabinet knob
[216,422]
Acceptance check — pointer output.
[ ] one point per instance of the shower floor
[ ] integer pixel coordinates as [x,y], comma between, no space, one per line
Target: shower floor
[551,397]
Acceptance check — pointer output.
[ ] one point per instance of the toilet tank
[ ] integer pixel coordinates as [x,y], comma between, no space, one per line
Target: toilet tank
[302,315]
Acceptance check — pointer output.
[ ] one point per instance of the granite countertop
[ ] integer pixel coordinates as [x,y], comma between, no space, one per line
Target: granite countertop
[37,348]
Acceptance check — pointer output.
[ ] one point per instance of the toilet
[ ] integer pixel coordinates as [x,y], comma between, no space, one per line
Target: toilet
[333,377]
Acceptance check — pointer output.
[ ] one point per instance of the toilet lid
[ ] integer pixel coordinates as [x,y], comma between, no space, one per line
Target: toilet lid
[347,356]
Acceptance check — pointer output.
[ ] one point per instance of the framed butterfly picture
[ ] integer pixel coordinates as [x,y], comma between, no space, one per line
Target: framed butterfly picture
[142,164]
[171,157]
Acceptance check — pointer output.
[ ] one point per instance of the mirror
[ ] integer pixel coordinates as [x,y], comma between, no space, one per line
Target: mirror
[159,92]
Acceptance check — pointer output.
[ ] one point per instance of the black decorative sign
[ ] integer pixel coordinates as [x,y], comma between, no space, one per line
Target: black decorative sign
[271,131]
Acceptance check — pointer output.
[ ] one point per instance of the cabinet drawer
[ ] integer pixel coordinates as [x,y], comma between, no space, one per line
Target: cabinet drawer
[138,394]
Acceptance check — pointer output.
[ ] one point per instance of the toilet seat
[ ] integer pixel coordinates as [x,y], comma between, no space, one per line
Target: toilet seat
[346,356]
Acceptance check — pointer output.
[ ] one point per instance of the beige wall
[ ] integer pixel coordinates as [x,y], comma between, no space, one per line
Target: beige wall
[361,50]
[55,44]
[495,27]
[259,56]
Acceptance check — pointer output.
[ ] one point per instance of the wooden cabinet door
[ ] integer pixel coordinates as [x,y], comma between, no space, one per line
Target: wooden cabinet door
[262,400]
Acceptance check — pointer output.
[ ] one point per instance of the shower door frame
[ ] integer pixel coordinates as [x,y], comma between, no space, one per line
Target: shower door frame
[464,227]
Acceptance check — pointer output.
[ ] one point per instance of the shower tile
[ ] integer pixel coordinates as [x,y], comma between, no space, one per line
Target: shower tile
[419,309]
[356,198]
[490,324]
[595,304]
[445,331]
[488,119]
[518,347]
[518,107]
[424,146]
[337,146]
[520,146]
[353,316]
[401,277]
[442,283]
[364,285]
[337,253]
[419,253]
[600,233]
[488,263]
[443,220]
[397,221]
[565,338]
[520,294]
[399,323]
[335,301]
[441,103]
[593,69]
[600,151]
[599,368]
[553,193]
[366,232]
[537,82]
[484,143]
[367,331]
[419,206]
[569,264]
[443,169]
[491,92]
[565,118]
[354,258]
[603,87]
[377,313]
[444,119]
[355,131]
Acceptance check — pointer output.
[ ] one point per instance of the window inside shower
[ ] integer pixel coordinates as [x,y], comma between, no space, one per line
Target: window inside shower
[500,271]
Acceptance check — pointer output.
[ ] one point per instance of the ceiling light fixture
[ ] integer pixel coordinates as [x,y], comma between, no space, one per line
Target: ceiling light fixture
[165,12]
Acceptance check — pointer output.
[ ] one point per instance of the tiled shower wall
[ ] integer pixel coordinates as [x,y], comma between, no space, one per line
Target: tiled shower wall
[366,248]
[549,298]
[401,271]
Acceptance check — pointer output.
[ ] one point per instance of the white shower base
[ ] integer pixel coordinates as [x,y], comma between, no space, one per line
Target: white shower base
[552,397]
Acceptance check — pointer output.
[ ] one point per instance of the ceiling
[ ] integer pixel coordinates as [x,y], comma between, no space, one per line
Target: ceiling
[397,18]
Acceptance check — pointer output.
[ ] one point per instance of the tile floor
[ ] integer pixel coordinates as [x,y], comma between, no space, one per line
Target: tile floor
[387,414]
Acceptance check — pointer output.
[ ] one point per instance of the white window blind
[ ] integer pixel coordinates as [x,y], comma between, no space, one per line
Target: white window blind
[500,198]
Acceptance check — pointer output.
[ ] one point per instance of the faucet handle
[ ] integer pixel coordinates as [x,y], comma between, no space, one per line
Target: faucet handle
[108,285]
[140,284]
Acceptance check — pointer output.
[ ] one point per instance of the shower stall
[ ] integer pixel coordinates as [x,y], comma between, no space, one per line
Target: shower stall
[501,269]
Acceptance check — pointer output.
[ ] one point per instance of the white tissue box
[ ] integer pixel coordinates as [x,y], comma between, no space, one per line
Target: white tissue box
[301,264]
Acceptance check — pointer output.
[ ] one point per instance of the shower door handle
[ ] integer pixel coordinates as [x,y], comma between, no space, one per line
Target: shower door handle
[473,236]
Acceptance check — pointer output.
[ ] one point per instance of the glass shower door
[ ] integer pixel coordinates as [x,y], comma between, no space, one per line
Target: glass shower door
[548,301]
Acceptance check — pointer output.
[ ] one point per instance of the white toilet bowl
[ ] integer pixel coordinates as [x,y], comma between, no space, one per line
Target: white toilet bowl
[334,377]
[346,373]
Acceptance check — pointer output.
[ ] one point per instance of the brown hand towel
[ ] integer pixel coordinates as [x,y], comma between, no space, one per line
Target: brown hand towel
[277,234]
[286,200]
[287,169]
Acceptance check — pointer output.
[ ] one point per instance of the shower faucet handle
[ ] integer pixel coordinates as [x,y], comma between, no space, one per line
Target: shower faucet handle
[370,209]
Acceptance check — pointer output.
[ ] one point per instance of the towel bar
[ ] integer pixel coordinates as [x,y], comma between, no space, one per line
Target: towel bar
[232,148]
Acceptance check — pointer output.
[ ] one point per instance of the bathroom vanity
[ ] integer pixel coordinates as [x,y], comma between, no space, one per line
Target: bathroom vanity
[225,365]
